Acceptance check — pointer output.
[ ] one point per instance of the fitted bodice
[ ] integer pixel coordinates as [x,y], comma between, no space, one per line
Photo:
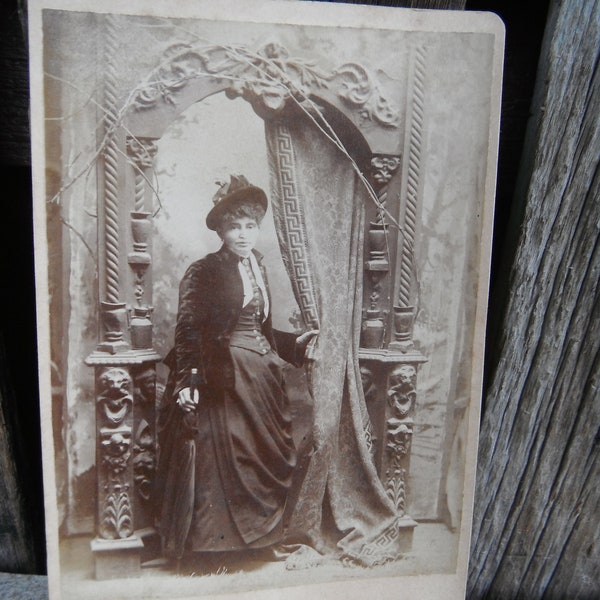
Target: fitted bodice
[248,331]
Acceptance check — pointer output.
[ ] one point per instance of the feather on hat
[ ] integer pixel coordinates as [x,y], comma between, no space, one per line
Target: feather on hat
[237,191]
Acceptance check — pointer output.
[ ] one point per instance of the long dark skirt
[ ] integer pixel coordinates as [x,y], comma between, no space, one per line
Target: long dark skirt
[229,466]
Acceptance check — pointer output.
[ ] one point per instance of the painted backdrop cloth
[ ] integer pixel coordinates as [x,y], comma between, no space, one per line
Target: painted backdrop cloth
[319,212]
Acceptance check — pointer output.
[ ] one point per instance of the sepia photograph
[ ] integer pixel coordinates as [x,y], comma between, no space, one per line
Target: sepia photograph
[263,237]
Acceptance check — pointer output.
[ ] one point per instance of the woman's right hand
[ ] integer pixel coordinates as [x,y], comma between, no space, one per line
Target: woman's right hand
[186,401]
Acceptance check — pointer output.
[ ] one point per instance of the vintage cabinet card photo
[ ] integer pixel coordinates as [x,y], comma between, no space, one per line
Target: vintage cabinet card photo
[263,237]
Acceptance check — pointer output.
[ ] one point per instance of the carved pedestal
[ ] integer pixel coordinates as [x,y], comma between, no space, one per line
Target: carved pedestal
[388,358]
[389,379]
[124,361]
[117,559]
[125,456]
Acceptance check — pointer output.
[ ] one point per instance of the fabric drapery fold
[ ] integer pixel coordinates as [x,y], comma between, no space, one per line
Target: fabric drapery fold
[318,205]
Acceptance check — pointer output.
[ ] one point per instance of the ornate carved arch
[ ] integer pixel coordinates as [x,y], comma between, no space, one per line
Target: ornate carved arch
[272,81]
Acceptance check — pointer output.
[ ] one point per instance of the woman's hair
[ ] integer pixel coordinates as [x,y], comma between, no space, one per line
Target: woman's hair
[250,209]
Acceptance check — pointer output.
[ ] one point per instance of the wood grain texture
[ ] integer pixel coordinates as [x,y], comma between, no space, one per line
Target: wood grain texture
[14,85]
[525,23]
[16,548]
[18,368]
[535,530]
[427,4]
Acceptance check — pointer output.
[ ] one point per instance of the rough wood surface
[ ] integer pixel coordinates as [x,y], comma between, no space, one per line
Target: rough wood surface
[22,545]
[16,553]
[14,85]
[427,4]
[536,528]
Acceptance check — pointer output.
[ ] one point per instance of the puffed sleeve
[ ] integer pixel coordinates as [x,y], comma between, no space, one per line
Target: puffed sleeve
[191,319]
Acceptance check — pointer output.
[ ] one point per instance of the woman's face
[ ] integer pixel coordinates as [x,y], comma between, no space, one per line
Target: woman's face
[240,235]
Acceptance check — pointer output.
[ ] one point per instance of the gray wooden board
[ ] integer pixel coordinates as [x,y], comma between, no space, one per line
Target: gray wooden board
[536,515]
[15,549]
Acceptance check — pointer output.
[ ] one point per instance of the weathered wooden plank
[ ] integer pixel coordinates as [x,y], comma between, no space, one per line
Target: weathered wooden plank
[14,83]
[16,553]
[535,529]
[20,427]
[428,4]
[525,24]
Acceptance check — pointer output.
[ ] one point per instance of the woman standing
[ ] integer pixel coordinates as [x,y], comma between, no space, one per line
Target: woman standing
[226,450]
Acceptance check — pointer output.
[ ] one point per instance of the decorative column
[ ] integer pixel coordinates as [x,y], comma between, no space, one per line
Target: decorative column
[116,548]
[389,360]
[378,362]
[141,152]
[125,431]
[377,266]
[389,380]
[404,309]
[112,309]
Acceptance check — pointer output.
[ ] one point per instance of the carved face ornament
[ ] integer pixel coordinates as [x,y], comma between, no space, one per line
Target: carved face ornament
[115,397]
[404,375]
[117,444]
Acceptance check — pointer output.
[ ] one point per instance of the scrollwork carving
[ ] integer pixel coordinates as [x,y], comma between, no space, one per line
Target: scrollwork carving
[402,393]
[398,438]
[383,167]
[269,75]
[396,490]
[358,87]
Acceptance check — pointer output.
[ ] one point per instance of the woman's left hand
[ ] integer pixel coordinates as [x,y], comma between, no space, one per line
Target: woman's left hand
[302,342]
[187,400]
[304,339]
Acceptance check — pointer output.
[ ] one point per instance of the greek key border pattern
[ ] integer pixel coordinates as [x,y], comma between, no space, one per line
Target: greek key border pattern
[382,549]
[291,227]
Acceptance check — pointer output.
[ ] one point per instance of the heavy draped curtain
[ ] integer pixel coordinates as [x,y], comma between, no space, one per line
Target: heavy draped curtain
[318,205]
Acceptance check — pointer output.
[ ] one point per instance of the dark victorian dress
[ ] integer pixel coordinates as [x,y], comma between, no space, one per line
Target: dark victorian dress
[225,469]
